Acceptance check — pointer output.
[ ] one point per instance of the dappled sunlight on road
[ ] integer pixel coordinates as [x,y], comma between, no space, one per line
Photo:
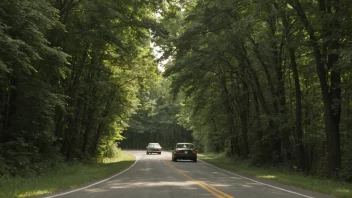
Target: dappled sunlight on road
[237,178]
[182,184]
[254,183]
[218,185]
[146,169]
[247,186]
[155,185]
[96,190]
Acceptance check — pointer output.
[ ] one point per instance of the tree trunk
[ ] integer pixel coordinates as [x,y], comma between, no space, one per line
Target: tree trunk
[87,132]
[244,120]
[331,95]
[298,135]
[279,93]
[10,109]
[96,139]
[275,139]
[299,131]
[267,73]
[261,141]
[229,115]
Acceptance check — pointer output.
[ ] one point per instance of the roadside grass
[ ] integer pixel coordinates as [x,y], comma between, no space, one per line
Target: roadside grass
[281,175]
[66,177]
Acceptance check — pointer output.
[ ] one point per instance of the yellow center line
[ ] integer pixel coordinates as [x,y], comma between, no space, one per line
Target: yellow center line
[217,193]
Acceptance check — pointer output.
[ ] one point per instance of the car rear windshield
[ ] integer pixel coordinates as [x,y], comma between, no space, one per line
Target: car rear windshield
[154,144]
[190,146]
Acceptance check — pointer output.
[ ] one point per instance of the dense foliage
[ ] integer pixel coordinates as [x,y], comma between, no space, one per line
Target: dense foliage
[267,80]
[70,72]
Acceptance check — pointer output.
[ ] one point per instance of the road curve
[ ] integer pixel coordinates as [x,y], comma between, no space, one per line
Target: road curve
[157,176]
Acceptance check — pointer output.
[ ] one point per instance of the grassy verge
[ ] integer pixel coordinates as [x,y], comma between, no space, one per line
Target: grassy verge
[281,175]
[67,176]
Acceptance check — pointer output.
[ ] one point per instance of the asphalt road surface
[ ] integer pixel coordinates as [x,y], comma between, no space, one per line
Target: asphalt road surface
[156,176]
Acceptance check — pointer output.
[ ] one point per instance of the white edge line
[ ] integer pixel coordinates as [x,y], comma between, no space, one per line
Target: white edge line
[282,189]
[101,181]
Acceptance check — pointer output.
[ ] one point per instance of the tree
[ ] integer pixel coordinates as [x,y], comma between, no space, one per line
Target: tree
[251,52]
[70,75]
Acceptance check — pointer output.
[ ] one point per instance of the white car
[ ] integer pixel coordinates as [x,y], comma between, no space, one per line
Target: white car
[153,148]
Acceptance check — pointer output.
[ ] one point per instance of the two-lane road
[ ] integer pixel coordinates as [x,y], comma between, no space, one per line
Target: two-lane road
[157,176]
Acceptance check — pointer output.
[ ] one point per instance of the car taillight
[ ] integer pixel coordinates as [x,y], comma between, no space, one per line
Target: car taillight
[176,150]
[159,149]
[195,151]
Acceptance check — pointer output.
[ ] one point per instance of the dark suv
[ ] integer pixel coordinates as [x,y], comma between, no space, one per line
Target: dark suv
[184,151]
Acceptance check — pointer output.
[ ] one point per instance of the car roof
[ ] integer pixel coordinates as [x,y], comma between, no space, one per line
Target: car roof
[184,143]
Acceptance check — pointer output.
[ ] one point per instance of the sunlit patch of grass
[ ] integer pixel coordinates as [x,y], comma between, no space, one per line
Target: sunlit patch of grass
[267,176]
[281,175]
[67,176]
[121,157]
[342,190]
[34,193]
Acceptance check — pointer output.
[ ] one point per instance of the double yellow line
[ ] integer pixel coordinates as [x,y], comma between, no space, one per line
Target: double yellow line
[217,193]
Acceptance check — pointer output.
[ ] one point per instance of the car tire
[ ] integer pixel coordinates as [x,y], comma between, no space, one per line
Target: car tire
[147,153]
[174,159]
[159,153]
[195,160]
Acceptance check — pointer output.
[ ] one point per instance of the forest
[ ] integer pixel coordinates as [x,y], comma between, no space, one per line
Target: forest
[267,81]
